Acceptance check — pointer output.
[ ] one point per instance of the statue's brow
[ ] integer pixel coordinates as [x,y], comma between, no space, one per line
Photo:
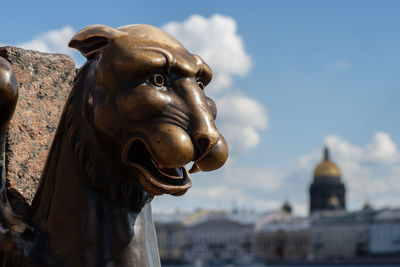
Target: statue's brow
[170,61]
[191,65]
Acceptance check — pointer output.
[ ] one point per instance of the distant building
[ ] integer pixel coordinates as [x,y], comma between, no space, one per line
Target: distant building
[384,236]
[170,237]
[327,192]
[278,235]
[329,234]
[219,236]
[205,236]
[341,235]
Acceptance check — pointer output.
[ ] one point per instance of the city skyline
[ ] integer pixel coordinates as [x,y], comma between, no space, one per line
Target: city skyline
[289,78]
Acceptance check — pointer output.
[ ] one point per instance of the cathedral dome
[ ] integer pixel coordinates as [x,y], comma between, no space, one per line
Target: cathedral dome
[327,192]
[326,168]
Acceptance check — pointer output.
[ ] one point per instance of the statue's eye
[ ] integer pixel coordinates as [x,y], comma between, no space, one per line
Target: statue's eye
[201,85]
[158,80]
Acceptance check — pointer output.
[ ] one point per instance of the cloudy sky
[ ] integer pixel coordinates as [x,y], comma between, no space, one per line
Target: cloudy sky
[289,77]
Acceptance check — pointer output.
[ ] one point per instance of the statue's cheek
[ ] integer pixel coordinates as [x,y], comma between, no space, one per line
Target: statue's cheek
[170,145]
[142,102]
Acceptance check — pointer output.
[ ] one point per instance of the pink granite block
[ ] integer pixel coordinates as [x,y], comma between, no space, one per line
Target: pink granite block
[44,81]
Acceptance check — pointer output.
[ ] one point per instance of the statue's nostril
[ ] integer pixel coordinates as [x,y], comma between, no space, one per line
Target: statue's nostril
[203,145]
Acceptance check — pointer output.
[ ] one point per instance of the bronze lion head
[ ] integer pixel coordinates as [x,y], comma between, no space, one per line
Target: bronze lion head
[150,112]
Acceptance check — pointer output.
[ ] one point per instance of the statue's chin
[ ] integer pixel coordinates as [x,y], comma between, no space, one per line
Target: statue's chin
[155,179]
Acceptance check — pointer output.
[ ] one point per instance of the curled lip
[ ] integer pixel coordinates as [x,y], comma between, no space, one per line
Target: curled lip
[157,179]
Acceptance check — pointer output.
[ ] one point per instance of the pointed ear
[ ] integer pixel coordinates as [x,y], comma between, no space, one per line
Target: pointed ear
[92,39]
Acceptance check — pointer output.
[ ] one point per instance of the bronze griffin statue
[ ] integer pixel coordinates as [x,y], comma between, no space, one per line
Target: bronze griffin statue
[136,116]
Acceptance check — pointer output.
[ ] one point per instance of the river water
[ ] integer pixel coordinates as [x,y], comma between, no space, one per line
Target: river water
[311,265]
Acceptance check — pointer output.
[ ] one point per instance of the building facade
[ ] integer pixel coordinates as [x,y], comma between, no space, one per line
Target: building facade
[206,237]
[218,236]
[384,236]
[171,237]
[279,236]
[341,235]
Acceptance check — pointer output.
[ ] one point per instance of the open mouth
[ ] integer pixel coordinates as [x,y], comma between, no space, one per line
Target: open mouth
[156,179]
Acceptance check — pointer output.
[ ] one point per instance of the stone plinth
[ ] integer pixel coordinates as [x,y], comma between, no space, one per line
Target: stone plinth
[44,81]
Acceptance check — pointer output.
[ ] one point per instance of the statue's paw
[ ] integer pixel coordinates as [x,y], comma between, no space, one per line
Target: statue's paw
[8,93]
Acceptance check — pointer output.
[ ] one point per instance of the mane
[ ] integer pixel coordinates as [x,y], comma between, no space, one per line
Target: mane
[77,124]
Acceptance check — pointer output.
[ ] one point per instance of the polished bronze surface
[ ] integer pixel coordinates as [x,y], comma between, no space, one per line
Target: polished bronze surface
[8,94]
[8,101]
[136,116]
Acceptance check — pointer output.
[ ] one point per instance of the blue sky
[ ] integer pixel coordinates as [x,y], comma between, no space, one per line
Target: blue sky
[299,74]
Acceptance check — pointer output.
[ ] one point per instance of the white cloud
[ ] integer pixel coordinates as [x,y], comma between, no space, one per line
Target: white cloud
[216,40]
[382,149]
[339,65]
[260,178]
[53,41]
[240,118]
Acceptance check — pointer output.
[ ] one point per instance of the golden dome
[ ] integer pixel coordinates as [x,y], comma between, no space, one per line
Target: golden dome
[326,168]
